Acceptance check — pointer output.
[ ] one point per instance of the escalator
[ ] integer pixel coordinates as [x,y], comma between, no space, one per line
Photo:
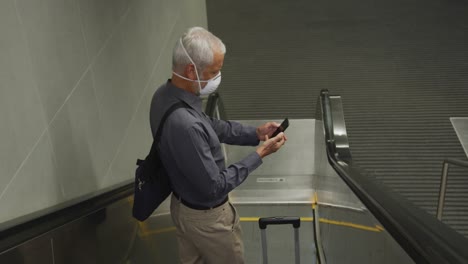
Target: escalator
[347,216]
[399,65]
[414,229]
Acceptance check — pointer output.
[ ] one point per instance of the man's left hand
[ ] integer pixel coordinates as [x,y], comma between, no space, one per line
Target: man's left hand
[265,131]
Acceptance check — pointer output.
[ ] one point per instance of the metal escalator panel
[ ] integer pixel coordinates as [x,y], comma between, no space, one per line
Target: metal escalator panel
[298,181]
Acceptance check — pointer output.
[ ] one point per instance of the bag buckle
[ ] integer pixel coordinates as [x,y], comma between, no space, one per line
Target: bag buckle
[140,184]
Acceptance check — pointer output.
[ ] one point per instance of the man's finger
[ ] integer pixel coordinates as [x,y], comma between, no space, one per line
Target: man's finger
[271,125]
[279,137]
[281,141]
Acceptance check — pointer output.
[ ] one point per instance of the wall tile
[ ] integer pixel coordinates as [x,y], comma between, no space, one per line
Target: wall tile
[44,55]
[141,55]
[194,13]
[145,33]
[57,48]
[35,186]
[136,145]
[116,97]
[138,140]
[75,134]
[100,18]
[163,69]
[21,116]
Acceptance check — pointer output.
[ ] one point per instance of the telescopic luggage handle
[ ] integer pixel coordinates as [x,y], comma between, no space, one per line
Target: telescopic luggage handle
[279,220]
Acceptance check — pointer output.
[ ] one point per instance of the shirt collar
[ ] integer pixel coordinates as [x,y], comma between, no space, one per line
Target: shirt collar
[192,100]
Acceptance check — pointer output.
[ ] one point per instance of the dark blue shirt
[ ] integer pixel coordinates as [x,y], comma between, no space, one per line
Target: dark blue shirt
[190,148]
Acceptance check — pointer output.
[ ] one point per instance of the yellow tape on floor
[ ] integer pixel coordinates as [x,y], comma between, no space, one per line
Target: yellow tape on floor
[144,231]
[375,228]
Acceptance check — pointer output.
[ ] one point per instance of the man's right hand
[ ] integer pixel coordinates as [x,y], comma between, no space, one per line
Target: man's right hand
[271,145]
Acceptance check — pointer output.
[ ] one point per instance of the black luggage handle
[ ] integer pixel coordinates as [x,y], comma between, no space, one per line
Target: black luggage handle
[279,220]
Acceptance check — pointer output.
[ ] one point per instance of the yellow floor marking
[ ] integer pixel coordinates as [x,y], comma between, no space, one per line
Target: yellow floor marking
[158,231]
[249,219]
[353,225]
[144,231]
[375,228]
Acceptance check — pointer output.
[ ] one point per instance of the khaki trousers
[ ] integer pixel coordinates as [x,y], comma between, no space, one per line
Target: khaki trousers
[208,236]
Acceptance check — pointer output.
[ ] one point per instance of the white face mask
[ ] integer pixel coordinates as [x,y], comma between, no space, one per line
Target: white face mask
[212,84]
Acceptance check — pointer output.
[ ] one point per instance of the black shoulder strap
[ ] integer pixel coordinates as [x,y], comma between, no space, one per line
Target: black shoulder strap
[156,139]
[173,107]
[180,104]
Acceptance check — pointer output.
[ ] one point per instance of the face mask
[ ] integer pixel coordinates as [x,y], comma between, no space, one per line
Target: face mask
[212,84]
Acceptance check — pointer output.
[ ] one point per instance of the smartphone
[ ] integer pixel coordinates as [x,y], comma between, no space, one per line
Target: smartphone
[281,128]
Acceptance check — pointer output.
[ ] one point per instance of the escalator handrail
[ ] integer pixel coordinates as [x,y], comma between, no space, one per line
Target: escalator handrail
[421,235]
[17,234]
[214,104]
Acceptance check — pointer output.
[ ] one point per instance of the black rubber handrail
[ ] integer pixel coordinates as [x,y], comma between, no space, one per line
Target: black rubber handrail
[18,234]
[421,235]
[214,102]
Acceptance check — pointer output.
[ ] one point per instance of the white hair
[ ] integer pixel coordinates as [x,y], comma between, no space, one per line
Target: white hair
[199,44]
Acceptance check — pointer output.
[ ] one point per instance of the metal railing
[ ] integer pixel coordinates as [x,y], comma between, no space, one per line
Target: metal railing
[443,183]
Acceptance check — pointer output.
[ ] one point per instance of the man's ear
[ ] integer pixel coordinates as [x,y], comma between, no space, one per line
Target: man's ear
[190,72]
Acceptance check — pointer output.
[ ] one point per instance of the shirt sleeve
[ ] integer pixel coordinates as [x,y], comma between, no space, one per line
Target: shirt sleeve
[195,160]
[235,133]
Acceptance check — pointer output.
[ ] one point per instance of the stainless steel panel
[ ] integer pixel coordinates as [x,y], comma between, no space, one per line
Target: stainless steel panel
[78,242]
[330,187]
[105,236]
[460,124]
[37,251]
[296,171]
[280,238]
[354,243]
[332,191]
[339,129]
[289,170]
[155,242]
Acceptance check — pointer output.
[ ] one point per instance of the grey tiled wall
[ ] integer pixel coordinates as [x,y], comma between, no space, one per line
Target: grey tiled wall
[76,80]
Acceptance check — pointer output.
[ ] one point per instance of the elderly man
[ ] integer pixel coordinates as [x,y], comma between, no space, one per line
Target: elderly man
[208,228]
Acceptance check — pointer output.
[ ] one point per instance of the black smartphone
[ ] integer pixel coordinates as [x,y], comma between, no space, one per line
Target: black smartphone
[281,128]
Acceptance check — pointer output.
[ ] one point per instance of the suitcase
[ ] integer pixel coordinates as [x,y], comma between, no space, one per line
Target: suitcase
[284,220]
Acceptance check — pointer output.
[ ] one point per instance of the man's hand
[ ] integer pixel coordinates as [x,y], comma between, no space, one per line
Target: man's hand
[271,145]
[265,131]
